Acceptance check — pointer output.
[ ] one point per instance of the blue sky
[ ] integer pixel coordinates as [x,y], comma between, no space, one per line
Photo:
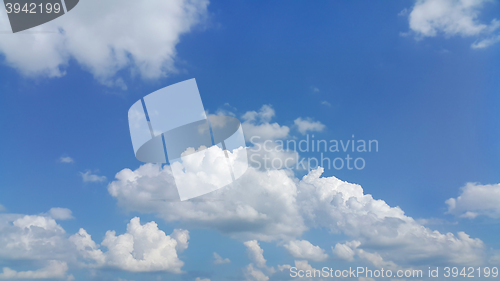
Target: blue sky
[370,69]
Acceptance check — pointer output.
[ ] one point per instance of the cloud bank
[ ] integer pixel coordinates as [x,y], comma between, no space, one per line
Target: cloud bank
[476,200]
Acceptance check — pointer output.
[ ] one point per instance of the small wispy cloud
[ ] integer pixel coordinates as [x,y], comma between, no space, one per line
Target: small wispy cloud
[66,159]
[2,208]
[315,89]
[60,214]
[326,103]
[89,177]
[220,260]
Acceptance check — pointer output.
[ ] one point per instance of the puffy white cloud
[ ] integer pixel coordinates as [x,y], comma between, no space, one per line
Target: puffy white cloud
[274,205]
[182,238]
[54,269]
[484,43]
[346,251]
[66,159]
[343,207]
[87,248]
[430,18]
[476,200]
[60,214]
[121,34]
[307,125]
[256,125]
[219,260]
[271,155]
[143,248]
[40,238]
[89,177]
[32,237]
[303,249]
[265,114]
[255,253]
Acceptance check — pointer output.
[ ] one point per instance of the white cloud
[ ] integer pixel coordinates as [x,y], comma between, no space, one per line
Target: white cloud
[199,279]
[265,114]
[121,34]
[430,18]
[486,42]
[54,269]
[307,270]
[254,274]
[265,205]
[303,249]
[326,103]
[143,248]
[345,208]
[255,253]
[403,12]
[271,155]
[60,213]
[476,200]
[266,212]
[307,125]
[274,205]
[32,237]
[219,260]
[87,248]
[256,124]
[495,259]
[89,177]
[346,251]
[182,238]
[66,159]
[2,208]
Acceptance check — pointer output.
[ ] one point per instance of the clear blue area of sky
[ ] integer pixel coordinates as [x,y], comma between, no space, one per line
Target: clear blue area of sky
[431,104]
